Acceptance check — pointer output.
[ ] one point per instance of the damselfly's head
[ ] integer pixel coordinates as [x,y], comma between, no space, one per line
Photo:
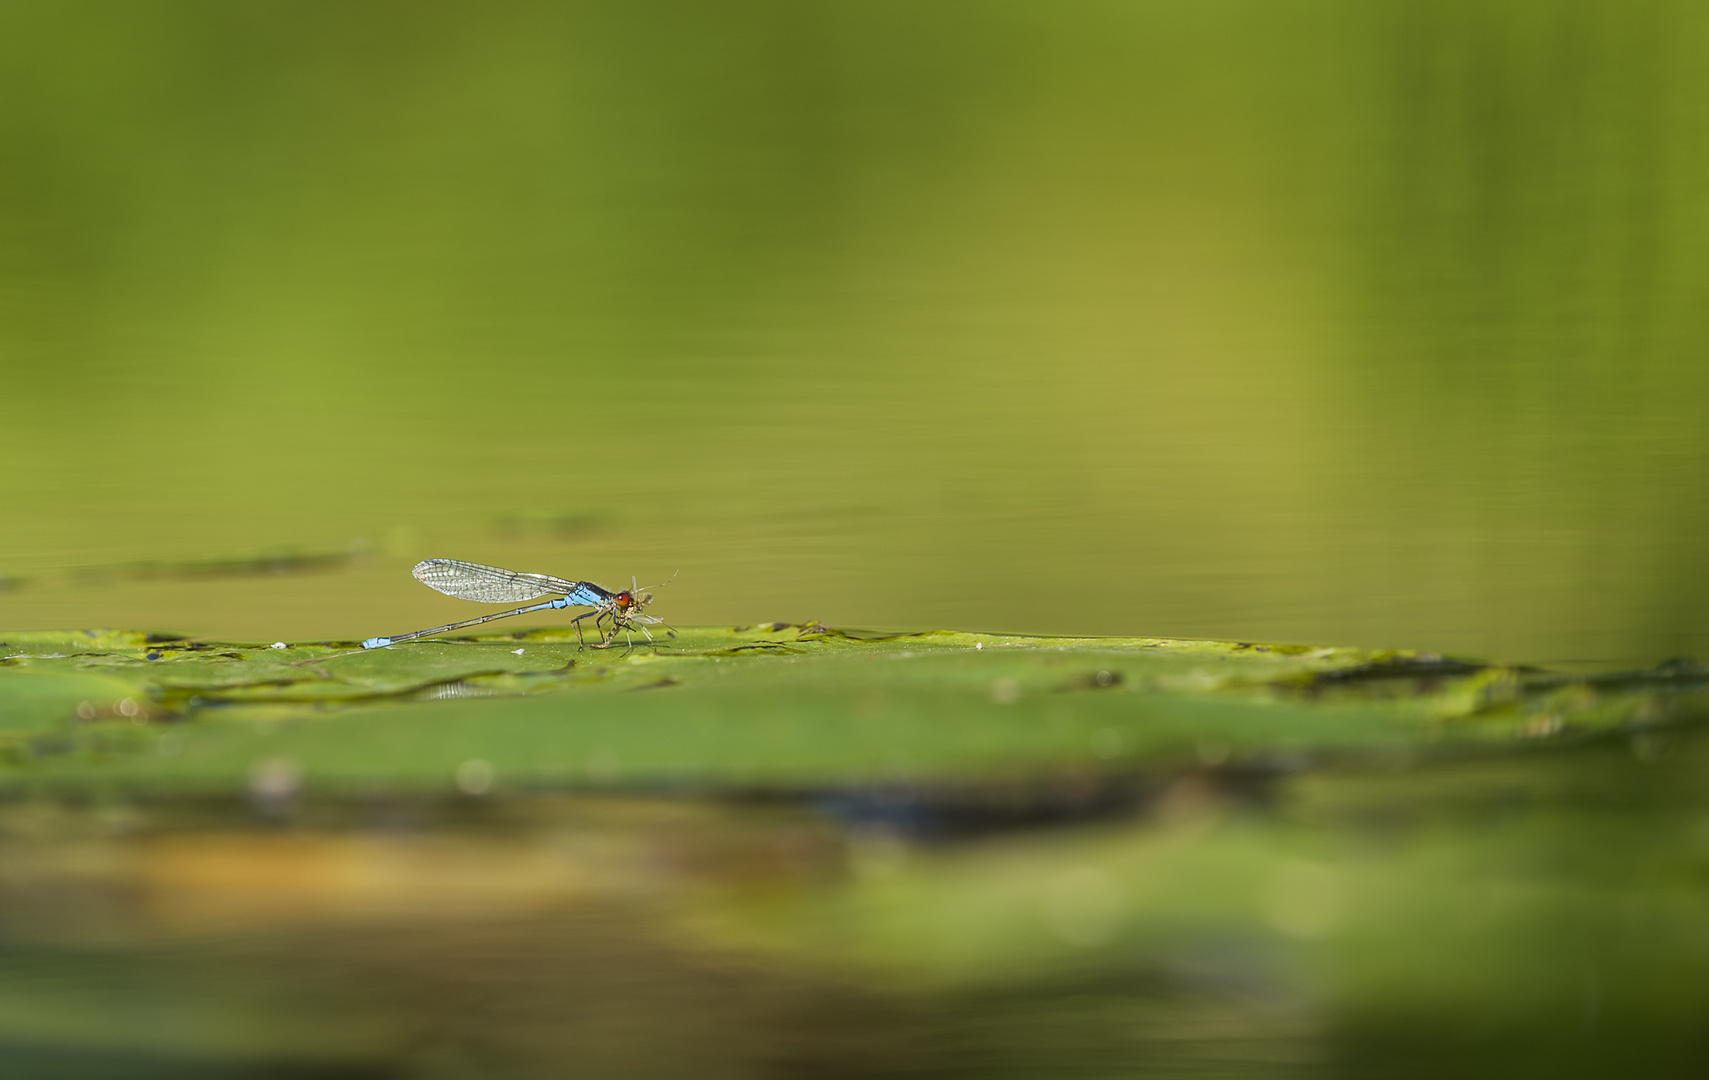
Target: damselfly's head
[631,602]
[626,611]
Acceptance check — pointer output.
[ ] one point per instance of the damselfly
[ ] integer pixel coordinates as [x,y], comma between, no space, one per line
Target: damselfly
[491,585]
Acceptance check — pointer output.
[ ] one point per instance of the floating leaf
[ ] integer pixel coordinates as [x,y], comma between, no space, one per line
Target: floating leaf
[781,707]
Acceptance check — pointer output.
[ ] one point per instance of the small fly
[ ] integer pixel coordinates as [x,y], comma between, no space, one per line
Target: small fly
[492,585]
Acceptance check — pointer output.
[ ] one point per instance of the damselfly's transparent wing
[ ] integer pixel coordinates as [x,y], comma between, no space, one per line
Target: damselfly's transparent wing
[488,584]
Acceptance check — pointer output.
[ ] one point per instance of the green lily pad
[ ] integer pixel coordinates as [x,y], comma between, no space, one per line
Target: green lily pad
[34,701]
[772,707]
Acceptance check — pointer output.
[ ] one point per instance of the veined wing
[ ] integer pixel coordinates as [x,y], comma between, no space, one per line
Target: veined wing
[488,584]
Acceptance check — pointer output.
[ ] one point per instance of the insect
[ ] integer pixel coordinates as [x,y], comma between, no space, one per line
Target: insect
[492,585]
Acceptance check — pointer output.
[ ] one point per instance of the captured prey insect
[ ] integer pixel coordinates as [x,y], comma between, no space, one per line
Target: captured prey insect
[491,585]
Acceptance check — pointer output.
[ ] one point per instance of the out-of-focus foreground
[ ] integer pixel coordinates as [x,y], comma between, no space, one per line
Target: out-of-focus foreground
[787,851]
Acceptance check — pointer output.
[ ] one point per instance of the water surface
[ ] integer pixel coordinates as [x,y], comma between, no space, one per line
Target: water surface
[1310,323]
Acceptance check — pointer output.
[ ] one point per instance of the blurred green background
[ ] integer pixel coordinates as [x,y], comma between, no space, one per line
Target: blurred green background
[1308,321]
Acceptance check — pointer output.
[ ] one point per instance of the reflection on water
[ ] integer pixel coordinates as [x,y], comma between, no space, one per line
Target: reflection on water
[1315,323]
[1474,918]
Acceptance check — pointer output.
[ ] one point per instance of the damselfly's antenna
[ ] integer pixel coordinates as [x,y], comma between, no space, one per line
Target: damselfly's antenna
[669,629]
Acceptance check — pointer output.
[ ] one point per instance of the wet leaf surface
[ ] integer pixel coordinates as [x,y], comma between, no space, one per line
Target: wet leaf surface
[768,707]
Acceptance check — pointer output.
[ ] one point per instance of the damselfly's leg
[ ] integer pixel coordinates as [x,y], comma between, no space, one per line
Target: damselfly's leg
[577,623]
[646,633]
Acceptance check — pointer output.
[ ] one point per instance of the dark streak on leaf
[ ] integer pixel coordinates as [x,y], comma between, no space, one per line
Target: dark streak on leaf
[1400,667]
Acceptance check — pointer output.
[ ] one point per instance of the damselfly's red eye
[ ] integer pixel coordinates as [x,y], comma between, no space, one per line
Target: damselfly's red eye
[625,600]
